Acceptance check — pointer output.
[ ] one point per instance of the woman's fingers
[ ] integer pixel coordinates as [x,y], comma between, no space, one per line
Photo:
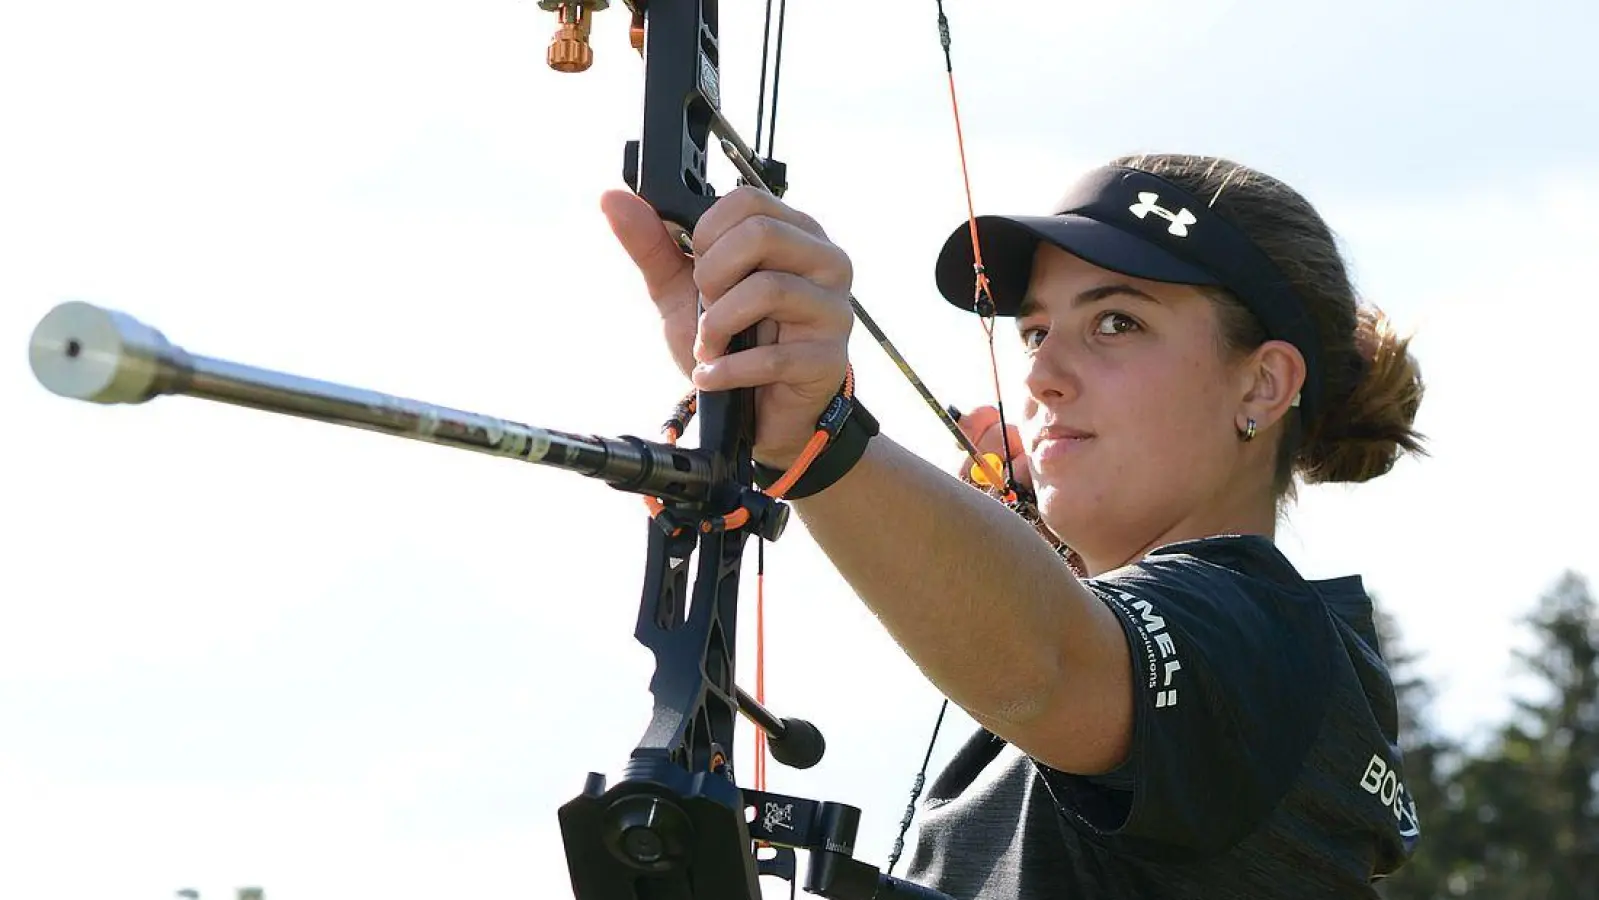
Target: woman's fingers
[811,369]
[975,423]
[981,427]
[748,231]
[794,381]
[760,264]
[801,310]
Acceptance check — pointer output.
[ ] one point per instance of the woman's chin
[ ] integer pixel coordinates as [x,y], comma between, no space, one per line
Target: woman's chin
[1064,511]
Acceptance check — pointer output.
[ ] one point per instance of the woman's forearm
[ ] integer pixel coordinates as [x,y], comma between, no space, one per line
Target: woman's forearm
[987,610]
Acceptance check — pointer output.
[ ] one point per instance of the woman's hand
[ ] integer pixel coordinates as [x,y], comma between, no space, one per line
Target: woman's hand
[757,263]
[981,427]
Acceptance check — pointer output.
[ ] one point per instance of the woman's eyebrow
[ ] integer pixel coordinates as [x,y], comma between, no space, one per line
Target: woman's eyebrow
[1030,303]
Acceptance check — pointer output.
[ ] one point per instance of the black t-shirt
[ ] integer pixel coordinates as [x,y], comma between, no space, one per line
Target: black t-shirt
[1265,761]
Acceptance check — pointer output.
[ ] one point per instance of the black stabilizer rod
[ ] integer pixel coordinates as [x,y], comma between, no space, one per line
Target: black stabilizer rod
[795,743]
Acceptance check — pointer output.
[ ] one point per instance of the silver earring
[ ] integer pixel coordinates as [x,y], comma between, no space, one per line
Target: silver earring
[1248,434]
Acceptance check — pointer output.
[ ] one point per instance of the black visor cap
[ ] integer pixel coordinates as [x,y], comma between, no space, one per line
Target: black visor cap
[1142,226]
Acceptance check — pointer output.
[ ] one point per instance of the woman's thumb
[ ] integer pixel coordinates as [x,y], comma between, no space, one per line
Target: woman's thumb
[647,240]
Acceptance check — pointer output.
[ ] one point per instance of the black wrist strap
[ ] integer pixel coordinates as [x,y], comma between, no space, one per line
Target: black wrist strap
[845,449]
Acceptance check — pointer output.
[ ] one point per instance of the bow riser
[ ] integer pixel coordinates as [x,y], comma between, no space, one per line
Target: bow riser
[695,658]
[677,817]
[675,826]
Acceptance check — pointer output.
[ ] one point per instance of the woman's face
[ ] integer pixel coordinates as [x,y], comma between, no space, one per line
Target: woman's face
[1130,420]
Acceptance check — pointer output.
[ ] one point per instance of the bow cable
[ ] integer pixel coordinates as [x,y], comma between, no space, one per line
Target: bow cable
[777,71]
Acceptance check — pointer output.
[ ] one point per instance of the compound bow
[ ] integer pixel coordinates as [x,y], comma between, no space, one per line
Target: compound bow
[676,826]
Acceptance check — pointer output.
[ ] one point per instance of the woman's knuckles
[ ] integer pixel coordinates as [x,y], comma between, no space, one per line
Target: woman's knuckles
[799,364]
[743,203]
[767,293]
[751,300]
[723,214]
[810,371]
[761,243]
[807,311]
[729,261]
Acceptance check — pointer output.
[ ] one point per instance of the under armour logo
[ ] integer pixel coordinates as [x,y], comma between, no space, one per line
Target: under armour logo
[1149,202]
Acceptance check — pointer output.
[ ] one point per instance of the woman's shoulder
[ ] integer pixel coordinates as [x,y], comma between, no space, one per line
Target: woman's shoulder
[1248,677]
[1245,566]
[1249,554]
[1239,603]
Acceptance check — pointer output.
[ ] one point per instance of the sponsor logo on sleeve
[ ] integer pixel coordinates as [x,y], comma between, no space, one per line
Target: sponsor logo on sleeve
[1160,650]
[1381,781]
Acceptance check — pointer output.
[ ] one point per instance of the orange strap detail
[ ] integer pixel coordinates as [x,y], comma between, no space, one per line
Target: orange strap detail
[738,518]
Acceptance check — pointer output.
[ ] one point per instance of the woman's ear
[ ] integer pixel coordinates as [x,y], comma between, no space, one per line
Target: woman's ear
[1272,377]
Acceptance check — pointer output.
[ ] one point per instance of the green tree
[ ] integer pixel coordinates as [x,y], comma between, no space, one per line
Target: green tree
[1565,760]
[1429,760]
[1520,820]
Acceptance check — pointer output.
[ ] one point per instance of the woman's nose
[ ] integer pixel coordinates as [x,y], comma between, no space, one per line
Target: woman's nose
[1051,372]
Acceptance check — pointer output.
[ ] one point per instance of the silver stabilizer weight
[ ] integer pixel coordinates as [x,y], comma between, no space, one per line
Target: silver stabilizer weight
[83,352]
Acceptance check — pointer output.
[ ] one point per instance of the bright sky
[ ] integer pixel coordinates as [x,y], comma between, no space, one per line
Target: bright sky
[242,649]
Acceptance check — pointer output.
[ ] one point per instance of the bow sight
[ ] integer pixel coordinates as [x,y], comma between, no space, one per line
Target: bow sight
[676,826]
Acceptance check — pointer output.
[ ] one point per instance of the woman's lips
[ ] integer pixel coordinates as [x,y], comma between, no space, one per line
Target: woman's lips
[1057,442]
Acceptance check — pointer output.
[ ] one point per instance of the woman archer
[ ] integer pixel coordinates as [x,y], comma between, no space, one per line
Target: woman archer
[1168,710]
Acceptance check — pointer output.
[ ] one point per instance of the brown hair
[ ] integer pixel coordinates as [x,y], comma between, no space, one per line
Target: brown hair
[1372,386]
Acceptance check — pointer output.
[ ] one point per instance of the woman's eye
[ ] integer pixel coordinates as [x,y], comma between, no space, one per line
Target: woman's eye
[1032,337]
[1115,323]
